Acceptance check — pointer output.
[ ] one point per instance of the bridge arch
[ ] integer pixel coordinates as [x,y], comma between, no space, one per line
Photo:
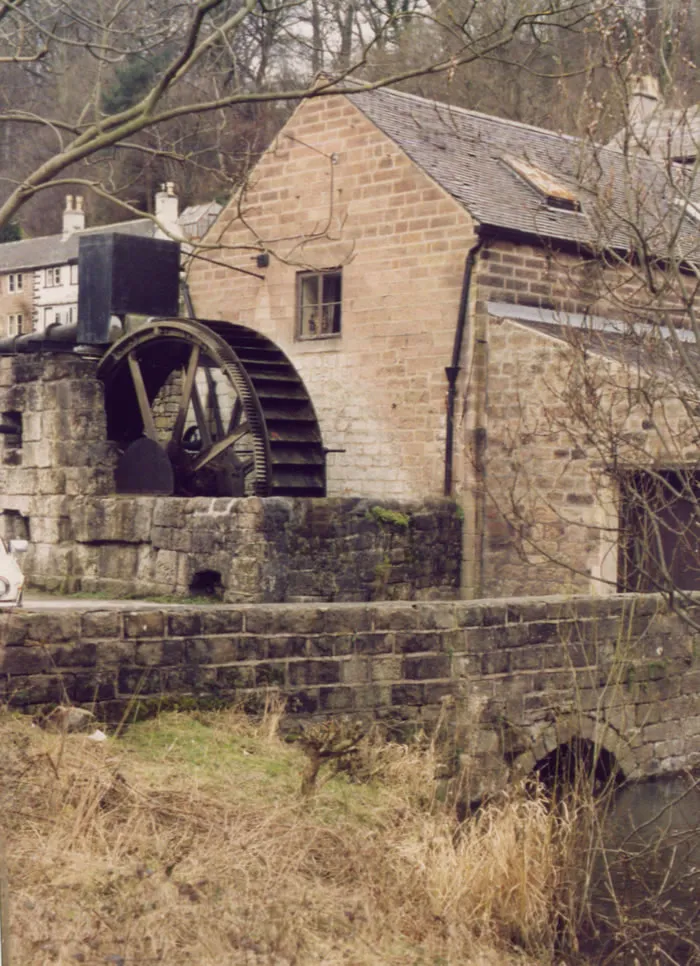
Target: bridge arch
[577,732]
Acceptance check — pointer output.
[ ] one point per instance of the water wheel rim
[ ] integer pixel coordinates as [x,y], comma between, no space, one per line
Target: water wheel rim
[133,349]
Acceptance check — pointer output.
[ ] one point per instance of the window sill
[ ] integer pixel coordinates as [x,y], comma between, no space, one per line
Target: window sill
[329,343]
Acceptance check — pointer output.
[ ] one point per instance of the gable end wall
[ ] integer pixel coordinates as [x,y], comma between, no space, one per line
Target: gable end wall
[335,191]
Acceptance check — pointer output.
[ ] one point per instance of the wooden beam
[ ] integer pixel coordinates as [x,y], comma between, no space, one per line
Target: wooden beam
[149,426]
[222,444]
[187,384]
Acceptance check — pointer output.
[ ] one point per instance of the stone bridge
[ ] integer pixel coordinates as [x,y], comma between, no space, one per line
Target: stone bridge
[523,676]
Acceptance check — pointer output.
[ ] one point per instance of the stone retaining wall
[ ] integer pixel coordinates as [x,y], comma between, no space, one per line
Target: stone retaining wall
[525,674]
[57,491]
[247,550]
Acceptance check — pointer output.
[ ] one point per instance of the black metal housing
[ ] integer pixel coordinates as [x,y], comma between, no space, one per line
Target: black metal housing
[122,274]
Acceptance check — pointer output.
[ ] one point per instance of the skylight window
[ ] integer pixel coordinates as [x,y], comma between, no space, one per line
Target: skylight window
[555,194]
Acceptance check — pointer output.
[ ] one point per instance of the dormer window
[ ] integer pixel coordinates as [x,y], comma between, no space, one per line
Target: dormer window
[554,193]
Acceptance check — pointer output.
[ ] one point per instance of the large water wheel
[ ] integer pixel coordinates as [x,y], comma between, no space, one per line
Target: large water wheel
[209,409]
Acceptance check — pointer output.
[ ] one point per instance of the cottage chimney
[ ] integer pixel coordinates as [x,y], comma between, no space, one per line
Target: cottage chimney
[73,216]
[644,98]
[167,211]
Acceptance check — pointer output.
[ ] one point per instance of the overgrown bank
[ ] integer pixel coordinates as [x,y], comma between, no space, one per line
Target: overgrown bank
[187,840]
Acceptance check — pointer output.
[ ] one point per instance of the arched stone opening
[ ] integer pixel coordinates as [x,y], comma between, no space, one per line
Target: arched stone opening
[576,762]
[207,583]
[580,742]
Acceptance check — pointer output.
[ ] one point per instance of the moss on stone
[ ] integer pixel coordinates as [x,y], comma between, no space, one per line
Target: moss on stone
[393,517]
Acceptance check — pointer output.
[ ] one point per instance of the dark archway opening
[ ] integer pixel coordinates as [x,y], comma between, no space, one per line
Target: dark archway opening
[579,761]
[14,525]
[207,583]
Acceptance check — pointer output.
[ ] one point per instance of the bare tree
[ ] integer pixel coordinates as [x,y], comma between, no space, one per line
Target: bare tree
[86,82]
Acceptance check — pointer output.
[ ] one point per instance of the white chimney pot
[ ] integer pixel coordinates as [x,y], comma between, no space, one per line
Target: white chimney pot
[73,216]
[167,210]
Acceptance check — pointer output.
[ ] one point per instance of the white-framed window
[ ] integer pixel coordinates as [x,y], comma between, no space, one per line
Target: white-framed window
[15,282]
[14,324]
[49,316]
[52,277]
[319,304]
[62,316]
[74,274]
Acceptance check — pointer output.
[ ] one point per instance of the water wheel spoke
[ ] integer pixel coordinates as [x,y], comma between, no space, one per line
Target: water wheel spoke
[149,426]
[201,417]
[236,413]
[223,444]
[188,383]
[213,400]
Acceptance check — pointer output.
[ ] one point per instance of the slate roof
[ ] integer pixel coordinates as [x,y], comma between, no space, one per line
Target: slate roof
[31,253]
[465,152]
[673,134]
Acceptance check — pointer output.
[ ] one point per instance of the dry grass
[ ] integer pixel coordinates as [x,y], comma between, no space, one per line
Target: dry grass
[186,842]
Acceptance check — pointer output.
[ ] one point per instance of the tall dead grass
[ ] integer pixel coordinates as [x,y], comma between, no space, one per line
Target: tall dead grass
[186,841]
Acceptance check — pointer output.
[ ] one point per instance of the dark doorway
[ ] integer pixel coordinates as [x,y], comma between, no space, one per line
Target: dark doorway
[207,583]
[659,531]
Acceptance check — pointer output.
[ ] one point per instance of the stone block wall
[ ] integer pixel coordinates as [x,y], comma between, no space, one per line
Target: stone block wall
[333,192]
[62,447]
[521,675]
[57,491]
[547,421]
[249,549]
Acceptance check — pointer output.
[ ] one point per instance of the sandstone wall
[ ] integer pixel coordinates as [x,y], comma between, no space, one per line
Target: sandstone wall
[523,675]
[57,491]
[334,192]
[262,550]
[552,424]
[62,449]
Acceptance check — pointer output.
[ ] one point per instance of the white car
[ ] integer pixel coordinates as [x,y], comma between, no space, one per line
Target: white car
[11,576]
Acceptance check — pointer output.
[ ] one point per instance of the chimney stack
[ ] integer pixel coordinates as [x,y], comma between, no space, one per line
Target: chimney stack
[73,216]
[167,211]
[644,98]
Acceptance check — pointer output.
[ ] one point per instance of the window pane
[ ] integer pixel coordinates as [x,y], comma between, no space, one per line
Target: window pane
[331,287]
[308,295]
[309,290]
[309,320]
[331,319]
